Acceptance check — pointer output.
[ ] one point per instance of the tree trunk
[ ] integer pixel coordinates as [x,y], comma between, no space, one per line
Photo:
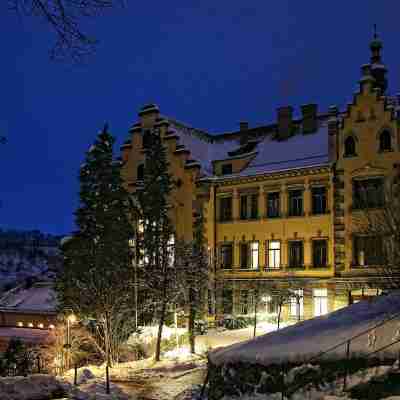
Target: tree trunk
[191,325]
[255,318]
[160,328]
[279,314]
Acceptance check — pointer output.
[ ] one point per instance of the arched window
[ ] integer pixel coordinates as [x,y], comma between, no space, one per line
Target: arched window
[140,172]
[349,147]
[385,141]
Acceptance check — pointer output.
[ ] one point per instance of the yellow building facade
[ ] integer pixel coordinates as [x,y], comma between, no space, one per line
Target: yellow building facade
[281,200]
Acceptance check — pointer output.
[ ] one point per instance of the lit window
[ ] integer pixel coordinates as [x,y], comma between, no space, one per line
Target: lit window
[254,255]
[297,304]
[320,302]
[274,254]
[20,324]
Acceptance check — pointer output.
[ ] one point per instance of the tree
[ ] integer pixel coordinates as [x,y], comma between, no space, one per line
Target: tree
[97,279]
[156,268]
[192,273]
[380,228]
[64,19]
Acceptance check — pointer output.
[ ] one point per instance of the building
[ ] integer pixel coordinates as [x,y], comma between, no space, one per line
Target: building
[281,200]
[28,313]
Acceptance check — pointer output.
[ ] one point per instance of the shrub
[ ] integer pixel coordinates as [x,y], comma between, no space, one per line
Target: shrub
[232,322]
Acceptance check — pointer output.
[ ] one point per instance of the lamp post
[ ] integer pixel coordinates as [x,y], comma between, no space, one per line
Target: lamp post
[71,319]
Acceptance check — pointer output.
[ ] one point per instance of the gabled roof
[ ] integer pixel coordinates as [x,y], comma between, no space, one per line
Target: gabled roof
[299,151]
[269,155]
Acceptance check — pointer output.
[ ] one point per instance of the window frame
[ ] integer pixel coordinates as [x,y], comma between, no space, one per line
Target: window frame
[277,200]
[363,243]
[318,198]
[293,304]
[371,199]
[271,253]
[292,200]
[314,243]
[301,247]
[225,216]
[346,153]
[322,300]
[389,136]
[224,168]
[221,251]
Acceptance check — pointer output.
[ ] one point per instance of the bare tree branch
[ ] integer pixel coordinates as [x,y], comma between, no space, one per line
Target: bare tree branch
[64,18]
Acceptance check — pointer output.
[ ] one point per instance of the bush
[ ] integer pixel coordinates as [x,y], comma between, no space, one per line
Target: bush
[200,327]
[17,359]
[232,322]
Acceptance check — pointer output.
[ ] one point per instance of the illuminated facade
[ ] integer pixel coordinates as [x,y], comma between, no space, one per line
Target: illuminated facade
[280,199]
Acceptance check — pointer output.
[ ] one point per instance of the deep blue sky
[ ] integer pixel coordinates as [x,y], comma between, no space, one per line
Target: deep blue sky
[208,63]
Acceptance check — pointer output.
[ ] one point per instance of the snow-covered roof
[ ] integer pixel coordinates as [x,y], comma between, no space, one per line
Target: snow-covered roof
[300,342]
[298,151]
[271,155]
[40,297]
[202,146]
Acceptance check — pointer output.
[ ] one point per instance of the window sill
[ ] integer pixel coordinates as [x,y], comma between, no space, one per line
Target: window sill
[349,155]
[293,268]
[267,269]
[273,216]
[248,270]
[366,266]
[296,216]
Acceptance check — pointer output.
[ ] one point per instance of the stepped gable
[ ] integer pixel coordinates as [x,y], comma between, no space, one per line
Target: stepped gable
[203,147]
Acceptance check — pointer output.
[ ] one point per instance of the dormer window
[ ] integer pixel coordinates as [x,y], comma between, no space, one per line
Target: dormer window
[385,141]
[349,147]
[226,169]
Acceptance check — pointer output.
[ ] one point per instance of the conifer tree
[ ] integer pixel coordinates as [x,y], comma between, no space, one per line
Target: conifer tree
[156,269]
[97,278]
[195,277]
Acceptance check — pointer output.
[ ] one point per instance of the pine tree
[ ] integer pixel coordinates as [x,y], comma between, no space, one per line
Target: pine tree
[156,271]
[97,278]
[192,275]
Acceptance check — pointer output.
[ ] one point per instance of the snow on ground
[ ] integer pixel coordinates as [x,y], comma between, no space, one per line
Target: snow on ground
[225,337]
[309,338]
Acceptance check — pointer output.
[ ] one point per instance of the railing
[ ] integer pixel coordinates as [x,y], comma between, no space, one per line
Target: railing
[377,343]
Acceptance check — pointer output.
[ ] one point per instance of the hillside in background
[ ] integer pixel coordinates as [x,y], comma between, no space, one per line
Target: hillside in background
[27,256]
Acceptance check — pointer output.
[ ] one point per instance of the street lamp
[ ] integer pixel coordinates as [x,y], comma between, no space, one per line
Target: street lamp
[71,319]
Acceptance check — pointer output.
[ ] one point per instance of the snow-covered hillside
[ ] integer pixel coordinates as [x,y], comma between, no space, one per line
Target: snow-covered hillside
[27,255]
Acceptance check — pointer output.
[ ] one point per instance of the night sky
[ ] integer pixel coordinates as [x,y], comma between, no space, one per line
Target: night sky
[207,63]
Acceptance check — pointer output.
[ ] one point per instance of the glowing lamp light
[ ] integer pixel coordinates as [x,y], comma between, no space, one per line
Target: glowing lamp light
[71,318]
[30,325]
[41,326]
[20,324]
[51,326]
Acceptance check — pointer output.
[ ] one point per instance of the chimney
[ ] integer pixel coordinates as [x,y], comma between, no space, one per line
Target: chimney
[310,120]
[244,125]
[285,122]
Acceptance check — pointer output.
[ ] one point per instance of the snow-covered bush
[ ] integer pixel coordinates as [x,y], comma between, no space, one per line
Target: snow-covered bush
[233,322]
[200,327]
